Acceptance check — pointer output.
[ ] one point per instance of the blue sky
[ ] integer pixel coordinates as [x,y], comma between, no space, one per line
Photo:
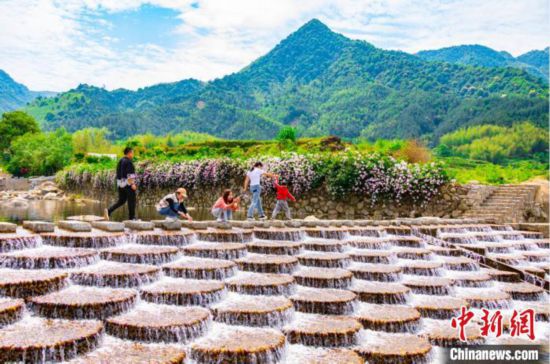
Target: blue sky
[57,44]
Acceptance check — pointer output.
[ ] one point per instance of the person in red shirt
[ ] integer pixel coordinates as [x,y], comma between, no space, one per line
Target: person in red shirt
[283,195]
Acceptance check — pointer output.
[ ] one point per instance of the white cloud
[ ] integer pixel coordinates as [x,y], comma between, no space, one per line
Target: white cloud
[53,45]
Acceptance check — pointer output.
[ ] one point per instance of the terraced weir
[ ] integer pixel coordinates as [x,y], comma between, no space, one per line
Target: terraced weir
[262,292]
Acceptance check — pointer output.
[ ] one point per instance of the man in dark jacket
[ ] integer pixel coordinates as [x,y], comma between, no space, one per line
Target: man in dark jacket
[126,184]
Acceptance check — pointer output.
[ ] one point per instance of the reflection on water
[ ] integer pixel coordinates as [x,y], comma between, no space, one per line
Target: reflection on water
[51,210]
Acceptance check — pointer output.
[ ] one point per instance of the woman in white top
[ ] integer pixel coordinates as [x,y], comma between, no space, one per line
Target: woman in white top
[253,177]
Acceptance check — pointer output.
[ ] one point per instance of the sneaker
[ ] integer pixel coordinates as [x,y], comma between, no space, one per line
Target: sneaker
[219,219]
[263,217]
[106,215]
[250,218]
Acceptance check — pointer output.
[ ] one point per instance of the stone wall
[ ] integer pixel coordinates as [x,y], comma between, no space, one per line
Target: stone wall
[451,202]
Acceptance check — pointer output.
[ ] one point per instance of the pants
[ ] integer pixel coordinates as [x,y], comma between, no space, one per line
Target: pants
[167,211]
[222,214]
[125,194]
[256,202]
[281,205]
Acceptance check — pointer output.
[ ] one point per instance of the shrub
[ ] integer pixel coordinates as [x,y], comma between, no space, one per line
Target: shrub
[14,124]
[287,133]
[40,154]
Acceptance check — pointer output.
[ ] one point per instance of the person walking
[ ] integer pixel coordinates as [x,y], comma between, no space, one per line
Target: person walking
[225,205]
[283,195]
[126,184]
[172,205]
[253,178]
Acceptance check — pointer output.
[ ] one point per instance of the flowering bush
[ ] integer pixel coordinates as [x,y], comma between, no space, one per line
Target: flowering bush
[373,176]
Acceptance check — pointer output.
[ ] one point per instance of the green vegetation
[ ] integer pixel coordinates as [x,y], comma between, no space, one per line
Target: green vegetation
[14,124]
[40,153]
[320,83]
[497,144]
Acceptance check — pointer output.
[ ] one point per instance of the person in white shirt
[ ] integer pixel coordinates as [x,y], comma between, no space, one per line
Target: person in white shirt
[253,178]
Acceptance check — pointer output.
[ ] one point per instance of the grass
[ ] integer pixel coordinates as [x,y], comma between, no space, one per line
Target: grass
[514,171]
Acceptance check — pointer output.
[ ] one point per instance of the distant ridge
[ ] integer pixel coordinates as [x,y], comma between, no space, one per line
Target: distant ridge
[321,83]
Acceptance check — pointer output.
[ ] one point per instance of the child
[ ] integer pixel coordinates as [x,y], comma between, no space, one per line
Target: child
[225,205]
[283,194]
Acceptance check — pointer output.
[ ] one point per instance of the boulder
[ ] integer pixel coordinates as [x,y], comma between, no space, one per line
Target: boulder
[139,225]
[76,226]
[18,203]
[310,218]
[109,226]
[7,227]
[51,196]
[39,226]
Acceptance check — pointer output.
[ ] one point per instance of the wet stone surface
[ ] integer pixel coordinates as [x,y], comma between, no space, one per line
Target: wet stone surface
[314,291]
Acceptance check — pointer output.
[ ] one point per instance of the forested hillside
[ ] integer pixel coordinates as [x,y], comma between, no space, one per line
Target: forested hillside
[535,62]
[321,83]
[14,95]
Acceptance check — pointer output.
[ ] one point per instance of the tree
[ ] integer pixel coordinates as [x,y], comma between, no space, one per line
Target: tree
[40,153]
[14,124]
[287,133]
[91,140]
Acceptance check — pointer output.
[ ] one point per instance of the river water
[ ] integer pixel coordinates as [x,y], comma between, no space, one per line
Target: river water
[51,210]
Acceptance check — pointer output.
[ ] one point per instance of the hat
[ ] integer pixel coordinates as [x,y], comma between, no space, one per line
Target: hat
[183,191]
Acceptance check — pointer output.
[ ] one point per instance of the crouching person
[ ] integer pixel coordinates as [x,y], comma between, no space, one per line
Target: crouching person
[172,207]
[225,205]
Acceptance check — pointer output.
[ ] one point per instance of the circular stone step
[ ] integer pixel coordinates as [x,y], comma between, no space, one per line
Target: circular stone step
[323,277]
[523,291]
[324,260]
[200,268]
[413,253]
[537,256]
[140,254]
[95,240]
[114,350]
[11,310]
[440,250]
[376,272]
[224,235]
[503,276]
[422,267]
[261,263]
[320,330]
[274,247]
[287,234]
[428,285]
[472,279]
[443,307]
[243,345]
[163,237]
[183,292]
[460,263]
[261,284]
[10,242]
[327,233]
[310,355]
[77,302]
[372,256]
[326,301]
[48,257]
[325,245]
[441,333]
[389,318]
[228,251]
[485,298]
[37,340]
[237,309]
[382,348]
[407,241]
[380,292]
[24,283]
[160,323]
[116,275]
[370,243]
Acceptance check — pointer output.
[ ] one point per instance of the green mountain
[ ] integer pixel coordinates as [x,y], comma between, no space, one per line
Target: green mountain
[14,95]
[320,82]
[534,62]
